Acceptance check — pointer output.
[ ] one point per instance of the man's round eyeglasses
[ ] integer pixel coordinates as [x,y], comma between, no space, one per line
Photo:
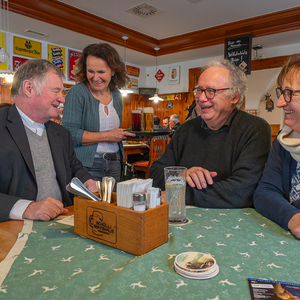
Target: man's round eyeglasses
[209,92]
[287,94]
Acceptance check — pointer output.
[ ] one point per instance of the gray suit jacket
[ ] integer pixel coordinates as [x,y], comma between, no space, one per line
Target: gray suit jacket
[17,174]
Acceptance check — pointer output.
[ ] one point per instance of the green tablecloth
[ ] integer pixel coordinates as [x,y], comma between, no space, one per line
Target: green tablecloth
[57,264]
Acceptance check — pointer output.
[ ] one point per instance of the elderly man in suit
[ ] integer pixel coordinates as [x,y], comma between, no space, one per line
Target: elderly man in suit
[37,156]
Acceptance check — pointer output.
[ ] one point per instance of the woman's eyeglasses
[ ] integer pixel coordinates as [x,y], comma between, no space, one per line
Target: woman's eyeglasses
[287,94]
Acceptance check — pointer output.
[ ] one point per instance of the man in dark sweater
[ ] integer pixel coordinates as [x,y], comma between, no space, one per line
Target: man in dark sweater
[224,149]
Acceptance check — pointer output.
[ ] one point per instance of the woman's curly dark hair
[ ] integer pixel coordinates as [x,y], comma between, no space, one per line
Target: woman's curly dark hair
[111,57]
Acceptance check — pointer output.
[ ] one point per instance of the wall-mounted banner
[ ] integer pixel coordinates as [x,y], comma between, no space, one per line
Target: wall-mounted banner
[174,75]
[147,91]
[159,75]
[171,97]
[133,71]
[73,58]
[17,62]
[3,45]
[26,47]
[56,55]
[133,84]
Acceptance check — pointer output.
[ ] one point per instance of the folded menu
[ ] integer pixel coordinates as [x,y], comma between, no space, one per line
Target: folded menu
[125,189]
[76,187]
[261,289]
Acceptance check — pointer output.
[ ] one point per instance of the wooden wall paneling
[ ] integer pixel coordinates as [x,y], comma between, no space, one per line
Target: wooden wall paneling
[5,95]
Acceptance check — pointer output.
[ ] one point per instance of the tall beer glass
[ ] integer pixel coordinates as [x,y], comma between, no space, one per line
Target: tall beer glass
[175,183]
[147,119]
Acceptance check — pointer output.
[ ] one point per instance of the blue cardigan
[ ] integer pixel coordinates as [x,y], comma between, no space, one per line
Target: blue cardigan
[81,112]
[271,198]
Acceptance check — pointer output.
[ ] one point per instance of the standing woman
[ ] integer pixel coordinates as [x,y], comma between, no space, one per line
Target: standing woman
[93,111]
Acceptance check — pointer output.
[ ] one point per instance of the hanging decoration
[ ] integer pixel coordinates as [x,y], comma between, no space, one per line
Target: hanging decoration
[269,102]
[158,76]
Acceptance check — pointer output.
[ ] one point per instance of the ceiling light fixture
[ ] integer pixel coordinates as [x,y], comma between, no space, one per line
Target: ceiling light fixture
[155,98]
[125,91]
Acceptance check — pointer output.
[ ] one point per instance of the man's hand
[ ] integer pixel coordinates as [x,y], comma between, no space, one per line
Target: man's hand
[294,225]
[199,177]
[91,185]
[44,210]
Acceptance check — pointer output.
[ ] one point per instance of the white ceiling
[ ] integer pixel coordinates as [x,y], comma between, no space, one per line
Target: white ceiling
[178,17]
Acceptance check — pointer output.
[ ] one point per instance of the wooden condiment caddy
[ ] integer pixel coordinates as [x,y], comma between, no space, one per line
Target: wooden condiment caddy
[122,228]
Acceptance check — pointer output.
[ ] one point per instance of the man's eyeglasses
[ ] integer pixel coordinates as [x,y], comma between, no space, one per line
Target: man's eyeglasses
[287,94]
[209,92]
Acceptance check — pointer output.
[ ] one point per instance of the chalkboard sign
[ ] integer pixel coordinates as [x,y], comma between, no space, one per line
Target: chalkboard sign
[238,50]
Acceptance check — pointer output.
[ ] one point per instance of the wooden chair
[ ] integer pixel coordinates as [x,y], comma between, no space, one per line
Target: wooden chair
[156,149]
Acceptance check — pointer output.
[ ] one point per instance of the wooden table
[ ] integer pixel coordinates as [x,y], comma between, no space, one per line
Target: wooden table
[135,149]
[9,233]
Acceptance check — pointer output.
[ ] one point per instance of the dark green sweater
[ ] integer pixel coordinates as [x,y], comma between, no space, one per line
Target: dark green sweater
[237,152]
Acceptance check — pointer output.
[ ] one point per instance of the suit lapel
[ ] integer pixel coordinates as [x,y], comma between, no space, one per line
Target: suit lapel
[16,128]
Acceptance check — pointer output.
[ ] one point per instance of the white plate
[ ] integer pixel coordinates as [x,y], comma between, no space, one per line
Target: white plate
[196,273]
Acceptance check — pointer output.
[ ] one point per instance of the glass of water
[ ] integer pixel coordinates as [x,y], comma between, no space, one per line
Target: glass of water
[175,183]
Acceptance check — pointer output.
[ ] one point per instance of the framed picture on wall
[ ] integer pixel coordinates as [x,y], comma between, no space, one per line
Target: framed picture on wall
[174,75]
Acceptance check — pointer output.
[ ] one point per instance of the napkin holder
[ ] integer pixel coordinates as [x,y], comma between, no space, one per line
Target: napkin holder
[122,228]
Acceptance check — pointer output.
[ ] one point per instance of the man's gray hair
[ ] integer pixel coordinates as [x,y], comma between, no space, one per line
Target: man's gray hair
[35,70]
[175,118]
[238,78]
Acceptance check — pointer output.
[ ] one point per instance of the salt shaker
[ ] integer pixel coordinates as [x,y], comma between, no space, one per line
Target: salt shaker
[139,201]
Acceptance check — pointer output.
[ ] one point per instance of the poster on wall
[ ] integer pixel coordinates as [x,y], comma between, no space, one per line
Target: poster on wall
[17,62]
[133,84]
[133,71]
[73,58]
[174,75]
[3,45]
[238,51]
[27,47]
[159,75]
[56,55]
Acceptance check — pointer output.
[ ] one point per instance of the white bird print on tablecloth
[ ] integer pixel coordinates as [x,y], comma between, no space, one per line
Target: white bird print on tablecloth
[118,270]
[237,268]
[207,227]
[47,289]
[247,214]
[246,254]
[215,220]
[221,214]
[2,289]
[54,248]
[240,219]
[283,242]
[64,231]
[263,225]
[198,215]
[179,228]
[273,265]
[28,260]
[133,285]
[155,269]
[253,244]
[188,245]
[200,236]
[226,281]
[51,224]
[77,271]
[278,254]
[181,283]
[94,288]
[220,244]
[236,227]
[229,234]
[103,257]
[91,247]
[67,259]
[36,272]
[260,234]
[171,256]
